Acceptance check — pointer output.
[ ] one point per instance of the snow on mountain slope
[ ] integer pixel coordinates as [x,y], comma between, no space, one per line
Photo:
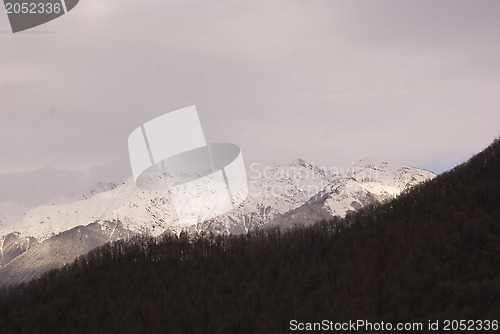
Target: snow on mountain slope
[369,181]
[36,242]
[298,193]
[140,210]
[86,193]
[370,178]
[273,190]
[11,244]
[10,212]
[58,251]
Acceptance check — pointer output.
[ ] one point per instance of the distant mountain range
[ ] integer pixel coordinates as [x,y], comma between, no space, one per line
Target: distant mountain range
[429,255]
[52,235]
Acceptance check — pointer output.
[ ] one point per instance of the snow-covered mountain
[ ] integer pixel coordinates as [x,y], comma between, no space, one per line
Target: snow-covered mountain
[371,180]
[273,190]
[371,177]
[139,210]
[278,195]
[34,243]
[86,193]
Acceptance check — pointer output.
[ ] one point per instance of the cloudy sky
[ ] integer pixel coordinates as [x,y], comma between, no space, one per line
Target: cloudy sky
[328,81]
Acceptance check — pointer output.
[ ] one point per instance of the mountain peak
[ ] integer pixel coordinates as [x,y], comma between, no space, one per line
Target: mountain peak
[374,160]
[86,193]
[298,163]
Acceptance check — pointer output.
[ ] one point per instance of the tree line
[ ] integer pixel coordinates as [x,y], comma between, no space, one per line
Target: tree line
[430,254]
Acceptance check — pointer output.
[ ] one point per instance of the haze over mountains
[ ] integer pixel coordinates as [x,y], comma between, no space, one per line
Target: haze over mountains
[52,235]
[10,212]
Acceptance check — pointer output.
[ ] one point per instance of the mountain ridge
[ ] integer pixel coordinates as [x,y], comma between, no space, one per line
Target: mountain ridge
[430,254]
[276,195]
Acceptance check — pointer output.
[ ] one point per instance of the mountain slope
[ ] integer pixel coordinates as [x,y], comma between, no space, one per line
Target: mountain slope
[370,181]
[273,192]
[10,212]
[62,248]
[83,194]
[142,212]
[431,254]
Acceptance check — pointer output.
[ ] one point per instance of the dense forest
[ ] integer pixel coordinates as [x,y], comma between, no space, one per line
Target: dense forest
[433,253]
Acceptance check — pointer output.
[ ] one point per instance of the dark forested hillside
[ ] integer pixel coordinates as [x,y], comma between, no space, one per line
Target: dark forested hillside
[433,253]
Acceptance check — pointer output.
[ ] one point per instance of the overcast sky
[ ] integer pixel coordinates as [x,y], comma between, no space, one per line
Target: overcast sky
[328,81]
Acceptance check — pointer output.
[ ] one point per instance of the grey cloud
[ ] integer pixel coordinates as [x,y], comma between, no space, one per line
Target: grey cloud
[328,81]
